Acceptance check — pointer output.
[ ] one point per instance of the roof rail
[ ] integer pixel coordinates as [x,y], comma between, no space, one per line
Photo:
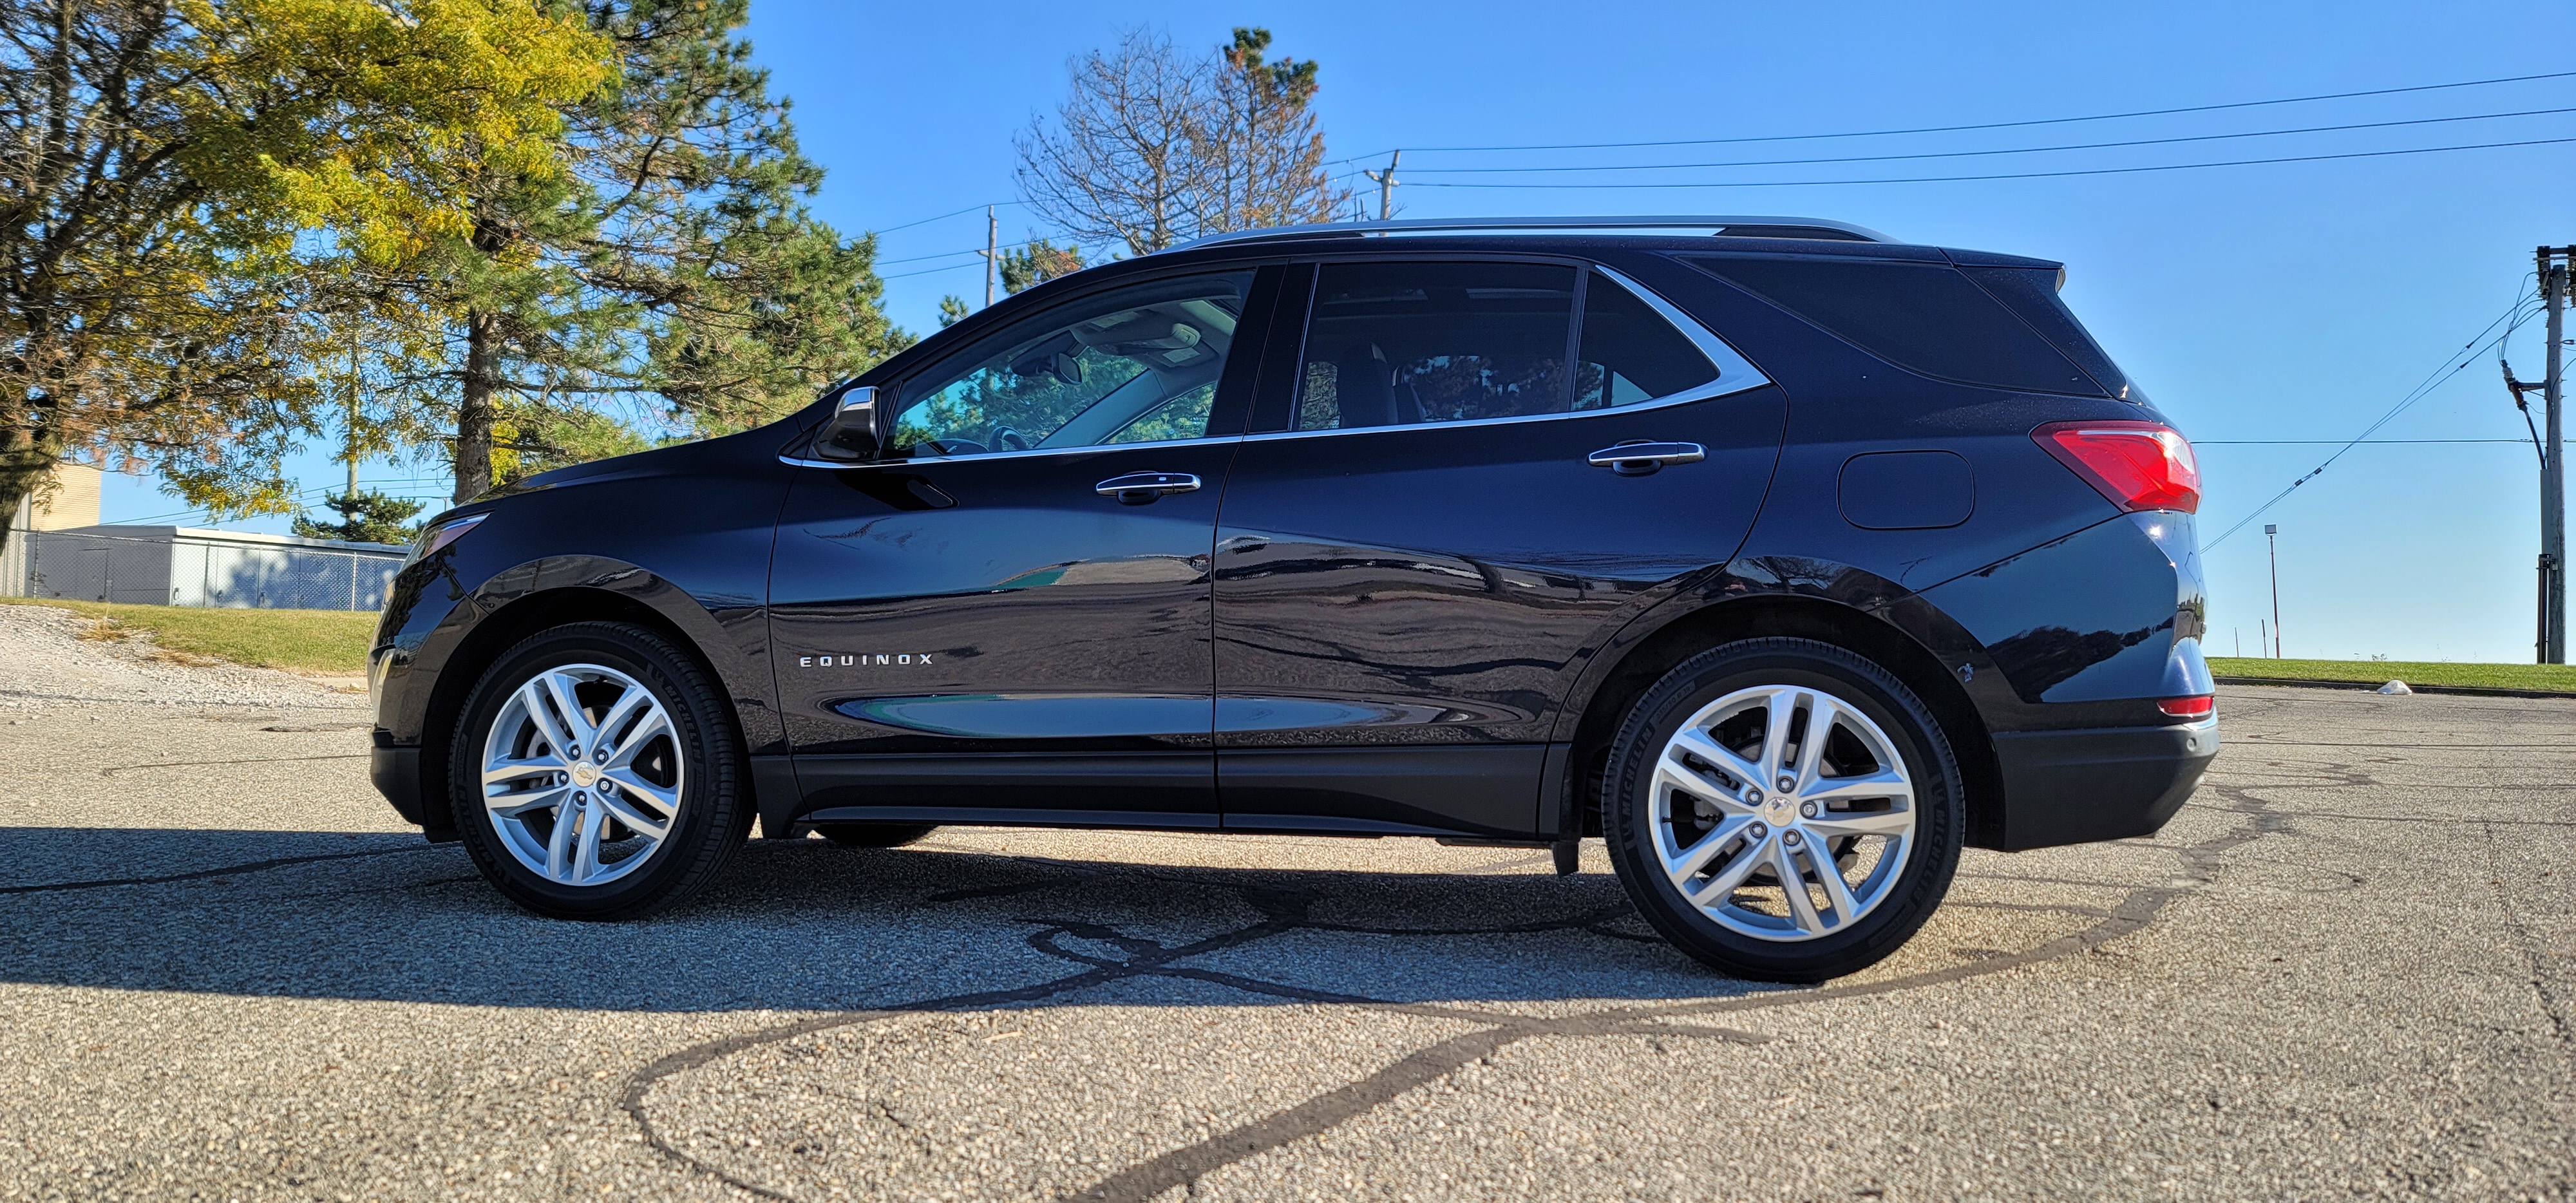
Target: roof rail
[1740,227]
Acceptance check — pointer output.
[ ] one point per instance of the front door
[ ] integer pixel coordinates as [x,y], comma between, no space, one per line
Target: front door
[1007,619]
[1414,559]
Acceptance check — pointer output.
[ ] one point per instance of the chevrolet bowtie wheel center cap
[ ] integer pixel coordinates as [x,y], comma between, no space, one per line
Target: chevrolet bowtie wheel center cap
[584,774]
[1780,811]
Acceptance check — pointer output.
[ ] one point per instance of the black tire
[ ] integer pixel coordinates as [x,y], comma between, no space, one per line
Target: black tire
[1628,810]
[874,835]
[714,812]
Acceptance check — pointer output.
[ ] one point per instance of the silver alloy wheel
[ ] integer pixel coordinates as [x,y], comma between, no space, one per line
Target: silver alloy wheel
[1782,812]
[582,773]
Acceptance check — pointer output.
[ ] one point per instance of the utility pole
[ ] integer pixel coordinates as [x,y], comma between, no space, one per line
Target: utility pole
[2272,535]
[353,416]
[992,251]
[1385,181]
[2553,477]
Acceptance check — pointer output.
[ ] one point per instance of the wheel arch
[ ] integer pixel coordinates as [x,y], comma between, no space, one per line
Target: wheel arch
[1655,643]
[495,634]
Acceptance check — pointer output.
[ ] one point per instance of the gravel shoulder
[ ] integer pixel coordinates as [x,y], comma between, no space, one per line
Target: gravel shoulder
[2345,970]
[48,661]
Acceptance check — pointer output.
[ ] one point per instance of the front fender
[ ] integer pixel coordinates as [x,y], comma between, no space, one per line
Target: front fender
[433,617]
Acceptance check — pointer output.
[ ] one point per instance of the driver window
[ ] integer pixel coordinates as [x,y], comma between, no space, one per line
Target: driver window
[1131,365]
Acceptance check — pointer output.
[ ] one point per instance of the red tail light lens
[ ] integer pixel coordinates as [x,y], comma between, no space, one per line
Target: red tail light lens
[2138,465]
[2194,707]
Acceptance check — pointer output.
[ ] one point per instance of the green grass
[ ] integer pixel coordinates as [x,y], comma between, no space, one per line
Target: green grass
[2560,677]
[312,641]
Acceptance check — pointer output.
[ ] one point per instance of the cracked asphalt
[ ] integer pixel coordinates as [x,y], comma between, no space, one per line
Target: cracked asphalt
[2345,970]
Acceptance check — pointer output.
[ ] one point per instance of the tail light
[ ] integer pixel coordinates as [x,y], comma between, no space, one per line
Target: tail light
[2138,465]
[2200,706]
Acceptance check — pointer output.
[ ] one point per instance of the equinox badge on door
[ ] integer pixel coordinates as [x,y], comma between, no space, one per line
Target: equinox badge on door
[863,659]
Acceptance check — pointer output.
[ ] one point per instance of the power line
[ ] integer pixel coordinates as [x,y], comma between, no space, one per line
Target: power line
[2451,366]
[930,270]
[940,255]
[2027,175]
[944,216]
[2022,150]
[1949,129]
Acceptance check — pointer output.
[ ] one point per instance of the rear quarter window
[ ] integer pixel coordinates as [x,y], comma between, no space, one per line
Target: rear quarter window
[1926,317]
[2032,293]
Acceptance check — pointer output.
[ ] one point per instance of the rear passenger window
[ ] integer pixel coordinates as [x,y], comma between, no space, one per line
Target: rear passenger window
[1630,353]
[1924,316]
[1393,344]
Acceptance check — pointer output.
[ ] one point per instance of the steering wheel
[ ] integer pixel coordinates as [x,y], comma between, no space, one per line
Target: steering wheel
[1007,439]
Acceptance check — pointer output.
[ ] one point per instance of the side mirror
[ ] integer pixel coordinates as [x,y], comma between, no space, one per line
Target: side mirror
[850,434]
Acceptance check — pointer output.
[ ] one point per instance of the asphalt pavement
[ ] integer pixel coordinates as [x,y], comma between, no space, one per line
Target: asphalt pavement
[2346,970]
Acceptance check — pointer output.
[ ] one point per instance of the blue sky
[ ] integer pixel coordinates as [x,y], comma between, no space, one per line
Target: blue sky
[2282,302]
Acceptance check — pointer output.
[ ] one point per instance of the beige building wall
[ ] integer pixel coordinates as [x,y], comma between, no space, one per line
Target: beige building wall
[73,502]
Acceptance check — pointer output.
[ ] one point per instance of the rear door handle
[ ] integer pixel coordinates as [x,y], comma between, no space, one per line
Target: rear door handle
[1138,488]
[1641,458]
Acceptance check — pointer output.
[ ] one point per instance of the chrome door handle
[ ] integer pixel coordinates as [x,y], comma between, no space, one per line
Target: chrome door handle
[1137,488]
[1641,458]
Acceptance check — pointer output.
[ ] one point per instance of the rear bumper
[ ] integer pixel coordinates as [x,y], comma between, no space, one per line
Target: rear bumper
[2077,787]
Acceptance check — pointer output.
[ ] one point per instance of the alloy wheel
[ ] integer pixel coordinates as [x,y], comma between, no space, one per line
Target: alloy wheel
[582,774]
[1781,812]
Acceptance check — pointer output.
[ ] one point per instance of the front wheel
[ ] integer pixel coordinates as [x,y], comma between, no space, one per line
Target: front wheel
[1783,809]
[596,773]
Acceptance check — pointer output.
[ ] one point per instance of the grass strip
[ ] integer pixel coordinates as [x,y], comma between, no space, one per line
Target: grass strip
[2559,678]
[310,641]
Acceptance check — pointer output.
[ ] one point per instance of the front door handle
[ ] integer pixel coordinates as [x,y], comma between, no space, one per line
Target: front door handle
[1137,488]
[1638,457]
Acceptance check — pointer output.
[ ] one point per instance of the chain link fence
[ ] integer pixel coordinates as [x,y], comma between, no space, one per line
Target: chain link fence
[175,566]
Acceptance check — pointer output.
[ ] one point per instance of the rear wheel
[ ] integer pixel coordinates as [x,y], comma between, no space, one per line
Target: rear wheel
[874,835]
[1783,809]
[596,773]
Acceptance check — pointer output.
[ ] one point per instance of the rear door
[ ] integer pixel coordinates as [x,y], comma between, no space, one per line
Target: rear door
[1009,618]
[1417,545]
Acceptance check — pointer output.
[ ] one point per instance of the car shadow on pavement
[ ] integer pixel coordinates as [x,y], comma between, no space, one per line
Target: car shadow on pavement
[807,926]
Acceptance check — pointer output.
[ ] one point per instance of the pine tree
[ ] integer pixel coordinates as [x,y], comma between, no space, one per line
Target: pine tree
[1037,263]
[365,517]
[672,279]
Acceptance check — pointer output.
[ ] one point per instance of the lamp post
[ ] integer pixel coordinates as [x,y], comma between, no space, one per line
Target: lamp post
[2272,536]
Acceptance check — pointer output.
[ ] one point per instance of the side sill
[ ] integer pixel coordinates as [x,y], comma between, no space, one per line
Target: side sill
[1489,790]
[998,816]
[1086,789]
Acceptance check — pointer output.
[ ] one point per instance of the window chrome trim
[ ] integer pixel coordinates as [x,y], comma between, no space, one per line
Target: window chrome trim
[1706,392]
[1031,453]
[1735,374]
[1721,355]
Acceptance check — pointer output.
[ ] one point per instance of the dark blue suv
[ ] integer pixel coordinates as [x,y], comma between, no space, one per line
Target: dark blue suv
[1788,558]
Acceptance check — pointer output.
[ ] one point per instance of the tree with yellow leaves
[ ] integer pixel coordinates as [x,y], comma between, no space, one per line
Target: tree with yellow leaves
[168,169]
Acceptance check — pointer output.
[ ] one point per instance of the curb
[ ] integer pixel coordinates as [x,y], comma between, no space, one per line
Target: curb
[2480,691]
